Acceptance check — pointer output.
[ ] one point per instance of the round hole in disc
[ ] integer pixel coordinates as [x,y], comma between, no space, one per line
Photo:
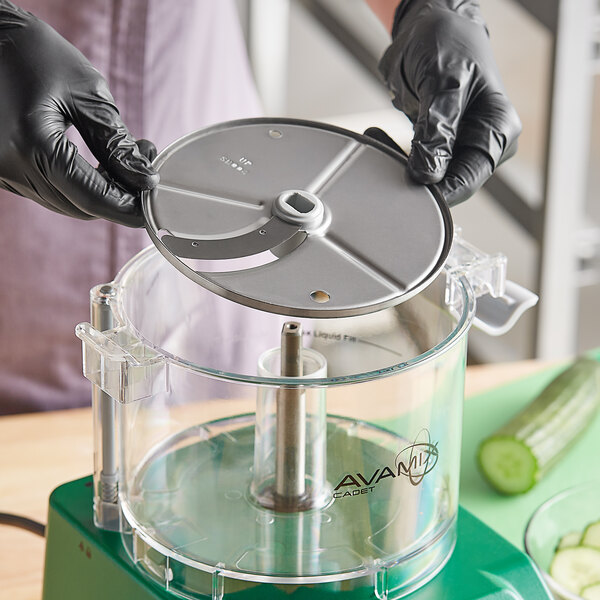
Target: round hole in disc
[320,296]
[275,133]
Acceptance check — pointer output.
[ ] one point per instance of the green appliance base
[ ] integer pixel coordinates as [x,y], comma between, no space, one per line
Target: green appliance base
[83,561]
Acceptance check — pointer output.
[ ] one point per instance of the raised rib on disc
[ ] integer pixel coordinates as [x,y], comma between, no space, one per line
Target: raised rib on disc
[210,197]
[382,218]
[338,162]
[350,285]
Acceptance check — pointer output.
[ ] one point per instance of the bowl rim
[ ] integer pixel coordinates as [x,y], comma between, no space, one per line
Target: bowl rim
[570,491]
[463,320]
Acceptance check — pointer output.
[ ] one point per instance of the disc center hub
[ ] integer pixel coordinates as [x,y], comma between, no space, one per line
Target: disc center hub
[301,208]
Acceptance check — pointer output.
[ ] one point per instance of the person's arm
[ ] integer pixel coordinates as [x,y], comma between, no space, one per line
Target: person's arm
[385,10]
[442,73]
[47,85]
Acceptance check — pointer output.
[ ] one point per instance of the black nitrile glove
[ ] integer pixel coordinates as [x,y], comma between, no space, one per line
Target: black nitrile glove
[46,85]
[381,136]
[443,75]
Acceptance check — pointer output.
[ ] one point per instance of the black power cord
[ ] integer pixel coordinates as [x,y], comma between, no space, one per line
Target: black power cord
[24,523]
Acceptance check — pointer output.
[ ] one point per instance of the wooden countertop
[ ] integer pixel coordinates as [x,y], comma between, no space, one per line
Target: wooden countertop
[40,451]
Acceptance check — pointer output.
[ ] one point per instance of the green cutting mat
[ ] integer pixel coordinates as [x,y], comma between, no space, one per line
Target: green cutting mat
[483,414]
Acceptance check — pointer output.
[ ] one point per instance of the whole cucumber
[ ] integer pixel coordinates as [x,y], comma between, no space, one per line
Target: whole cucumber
[518,455]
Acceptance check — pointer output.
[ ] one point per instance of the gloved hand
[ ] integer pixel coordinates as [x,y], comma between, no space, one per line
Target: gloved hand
[442,73]
[47,85]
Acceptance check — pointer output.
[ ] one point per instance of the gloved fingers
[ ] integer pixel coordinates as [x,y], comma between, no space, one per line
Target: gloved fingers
[487,136]
[436,128]
[492,125]
[103,130]
[12,15]
[381,136]
[469,170]
[87,190]
[46,195]
[510,151]
[57,202]
[147,148]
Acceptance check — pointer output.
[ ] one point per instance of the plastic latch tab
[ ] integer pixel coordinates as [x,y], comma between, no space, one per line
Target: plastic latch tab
[500,302]
[496,316]
[121,365]
[485,272]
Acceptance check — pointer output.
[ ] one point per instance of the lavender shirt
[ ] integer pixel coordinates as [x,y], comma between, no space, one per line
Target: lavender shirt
[172,67]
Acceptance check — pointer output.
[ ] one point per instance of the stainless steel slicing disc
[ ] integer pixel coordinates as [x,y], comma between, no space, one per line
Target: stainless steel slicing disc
[296,218]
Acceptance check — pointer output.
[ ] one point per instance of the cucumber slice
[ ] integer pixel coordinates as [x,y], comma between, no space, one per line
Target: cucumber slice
[591,592]
[591,535]
[569,540]
[576,568]
[508,464]
[519,454]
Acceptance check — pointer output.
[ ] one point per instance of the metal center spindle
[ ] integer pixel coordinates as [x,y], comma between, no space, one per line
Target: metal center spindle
[290,467]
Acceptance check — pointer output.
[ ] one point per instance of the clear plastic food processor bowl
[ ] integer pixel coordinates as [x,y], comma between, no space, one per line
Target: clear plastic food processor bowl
[341,475]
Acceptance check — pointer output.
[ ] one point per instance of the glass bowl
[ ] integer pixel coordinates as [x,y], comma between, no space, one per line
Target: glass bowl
[570,510]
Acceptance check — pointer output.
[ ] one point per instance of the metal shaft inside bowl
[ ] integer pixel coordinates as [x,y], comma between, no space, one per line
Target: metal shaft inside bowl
[290,466]
[291,423]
